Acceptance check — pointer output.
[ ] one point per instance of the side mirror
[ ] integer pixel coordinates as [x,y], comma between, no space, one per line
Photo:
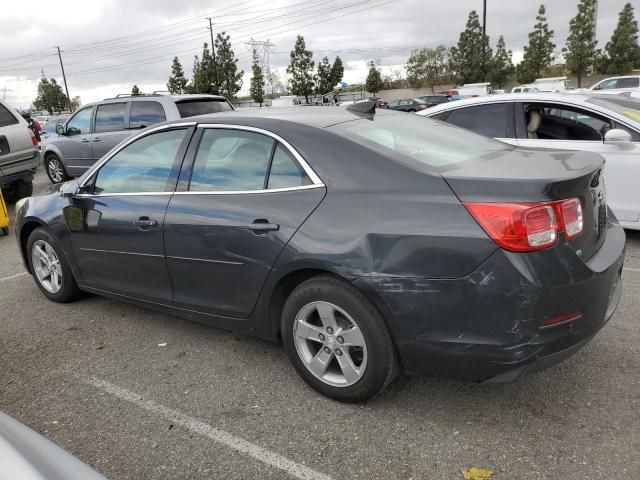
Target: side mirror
[617,136]
[60,129]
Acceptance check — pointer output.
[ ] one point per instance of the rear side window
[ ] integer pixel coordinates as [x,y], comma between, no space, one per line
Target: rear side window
[627,83]
[231,160]
[285,171]
[489,120]
[144,114]
[191,108]
[6,117]
[110,117]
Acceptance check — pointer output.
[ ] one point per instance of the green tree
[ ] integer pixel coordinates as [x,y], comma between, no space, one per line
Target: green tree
[538,55]
[256,88]
[301,70]
[337,72]
[580,50]
[622,50]
[470,60]
[501,65]
[374,81]
[136,91]
[427,66]
[50,96]
[228,79]
[177,82]
[205,79]
[324,82]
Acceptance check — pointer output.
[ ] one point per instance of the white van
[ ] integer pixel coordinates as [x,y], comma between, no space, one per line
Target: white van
[552,84]
[525,89]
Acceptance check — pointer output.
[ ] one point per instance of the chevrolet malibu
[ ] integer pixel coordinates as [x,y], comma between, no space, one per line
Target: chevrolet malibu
[367,242]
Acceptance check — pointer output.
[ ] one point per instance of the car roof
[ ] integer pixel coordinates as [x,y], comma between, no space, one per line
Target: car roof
[314,116]
[158,98]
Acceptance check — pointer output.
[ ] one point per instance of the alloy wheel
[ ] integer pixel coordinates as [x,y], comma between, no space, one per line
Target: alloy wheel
[330,344]
[46,266]
[55,170]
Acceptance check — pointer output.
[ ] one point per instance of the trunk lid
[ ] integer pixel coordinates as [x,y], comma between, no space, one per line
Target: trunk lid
[538,176]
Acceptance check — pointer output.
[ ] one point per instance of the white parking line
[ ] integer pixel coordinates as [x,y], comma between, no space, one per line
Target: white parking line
[11,277]
[236,443]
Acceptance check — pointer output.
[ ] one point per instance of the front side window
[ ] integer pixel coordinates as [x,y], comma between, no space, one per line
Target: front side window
[80,124]
[110,117]
[144,114]
[285,171]
[231,160]
[6,117]
[489,120]
[559,122]
[142,166]
[607,84]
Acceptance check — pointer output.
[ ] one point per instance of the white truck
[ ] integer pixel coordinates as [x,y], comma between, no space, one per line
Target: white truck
[474,89]
[552,84]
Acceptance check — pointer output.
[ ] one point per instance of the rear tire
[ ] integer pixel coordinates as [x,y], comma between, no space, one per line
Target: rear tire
[337,340]
[17,190]
[55,169]
[50,268]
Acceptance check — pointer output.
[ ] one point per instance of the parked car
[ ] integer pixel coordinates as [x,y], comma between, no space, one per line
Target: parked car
[617,84]
[19,155]
[98,127]
[552,84]
[565,122]
[525,89]
[432,100]
[475,89]
[363,241]
[27,455]
[411,105]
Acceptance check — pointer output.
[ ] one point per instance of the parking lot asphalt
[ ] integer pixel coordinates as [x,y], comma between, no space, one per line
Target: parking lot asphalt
[142,395]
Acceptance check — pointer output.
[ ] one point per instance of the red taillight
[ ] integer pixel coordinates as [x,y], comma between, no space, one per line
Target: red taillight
[561,319]
[526,227]
[34,139]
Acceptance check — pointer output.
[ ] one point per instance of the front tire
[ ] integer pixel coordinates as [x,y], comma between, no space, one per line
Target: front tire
[337,340]
[55,169]
[50,268]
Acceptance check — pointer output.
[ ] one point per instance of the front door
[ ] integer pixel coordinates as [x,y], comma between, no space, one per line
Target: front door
[121,247]
[572,128]
[246,197]
[109,128]
[75,144]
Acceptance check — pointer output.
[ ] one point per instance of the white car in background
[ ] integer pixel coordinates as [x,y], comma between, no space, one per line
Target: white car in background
[627,83]
[608,125]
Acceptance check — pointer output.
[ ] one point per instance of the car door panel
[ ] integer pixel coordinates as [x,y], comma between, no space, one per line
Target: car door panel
[75,145]
[110,129]
[217,259]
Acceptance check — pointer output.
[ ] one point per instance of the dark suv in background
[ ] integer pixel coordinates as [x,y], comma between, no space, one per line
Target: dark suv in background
[96,128]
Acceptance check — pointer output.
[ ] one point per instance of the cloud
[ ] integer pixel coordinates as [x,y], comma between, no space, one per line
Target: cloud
[108,46]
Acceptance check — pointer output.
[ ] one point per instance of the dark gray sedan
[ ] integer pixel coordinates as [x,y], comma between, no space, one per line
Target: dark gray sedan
[365,242]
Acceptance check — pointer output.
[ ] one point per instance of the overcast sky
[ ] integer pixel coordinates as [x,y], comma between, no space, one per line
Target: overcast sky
[107,46]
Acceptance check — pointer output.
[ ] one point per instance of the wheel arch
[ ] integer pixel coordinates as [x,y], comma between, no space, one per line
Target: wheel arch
[25,232]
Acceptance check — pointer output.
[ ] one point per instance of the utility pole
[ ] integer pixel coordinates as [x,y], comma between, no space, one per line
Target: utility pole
[213,53]
[484,33]
[64,77]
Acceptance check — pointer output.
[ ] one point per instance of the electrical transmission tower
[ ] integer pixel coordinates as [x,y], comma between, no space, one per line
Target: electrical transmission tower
[4,91]
[261,50]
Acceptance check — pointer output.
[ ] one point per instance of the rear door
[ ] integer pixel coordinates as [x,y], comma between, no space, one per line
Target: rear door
[567,127]
[110,127]
[242,196]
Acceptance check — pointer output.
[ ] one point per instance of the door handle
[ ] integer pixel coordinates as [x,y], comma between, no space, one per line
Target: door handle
[144,222]
[85,140]
[96,139]
[262,225]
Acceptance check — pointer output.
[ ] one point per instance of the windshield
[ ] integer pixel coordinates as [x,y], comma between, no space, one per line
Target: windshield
[191,108]
[432,143]
[626,106]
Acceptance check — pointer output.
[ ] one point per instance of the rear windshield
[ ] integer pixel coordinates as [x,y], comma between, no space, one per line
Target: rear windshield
[191,108]
[433,143]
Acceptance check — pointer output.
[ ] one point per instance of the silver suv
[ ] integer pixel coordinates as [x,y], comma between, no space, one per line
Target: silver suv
[98,127]
[19,155]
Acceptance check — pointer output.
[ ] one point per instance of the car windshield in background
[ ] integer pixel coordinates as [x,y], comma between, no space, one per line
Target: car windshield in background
[432,143]
[191,108]
[628,107]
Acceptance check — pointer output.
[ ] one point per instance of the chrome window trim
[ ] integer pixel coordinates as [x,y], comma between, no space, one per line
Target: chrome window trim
[98,165]
[203,192]
[315,179]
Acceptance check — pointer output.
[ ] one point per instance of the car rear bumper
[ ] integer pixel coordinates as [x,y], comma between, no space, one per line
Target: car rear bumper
[487,326]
